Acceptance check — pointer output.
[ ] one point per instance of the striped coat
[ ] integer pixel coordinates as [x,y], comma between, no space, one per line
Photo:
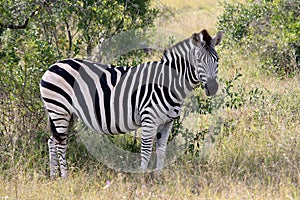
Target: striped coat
[112,99]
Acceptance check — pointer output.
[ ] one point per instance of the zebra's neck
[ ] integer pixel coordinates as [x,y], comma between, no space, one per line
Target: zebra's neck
[178,59]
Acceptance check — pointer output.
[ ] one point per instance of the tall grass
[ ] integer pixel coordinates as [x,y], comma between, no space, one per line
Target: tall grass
[256,154]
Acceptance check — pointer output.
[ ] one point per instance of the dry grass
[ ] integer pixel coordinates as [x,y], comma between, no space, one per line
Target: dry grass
[188,17]
[176,185]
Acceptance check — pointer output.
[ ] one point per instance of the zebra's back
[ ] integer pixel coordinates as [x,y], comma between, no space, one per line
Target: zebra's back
[107,98]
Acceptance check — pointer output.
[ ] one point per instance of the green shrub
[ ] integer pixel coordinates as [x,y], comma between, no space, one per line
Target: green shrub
[232,96]
[268,28]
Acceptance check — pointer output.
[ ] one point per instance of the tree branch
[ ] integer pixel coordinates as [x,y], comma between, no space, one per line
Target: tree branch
[69,37]
[24,25]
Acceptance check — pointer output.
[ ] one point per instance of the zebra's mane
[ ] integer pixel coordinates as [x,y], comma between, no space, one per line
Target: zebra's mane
[175,46]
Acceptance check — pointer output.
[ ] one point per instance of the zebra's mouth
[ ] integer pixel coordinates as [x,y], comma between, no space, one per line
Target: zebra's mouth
[206,90]
[211,87]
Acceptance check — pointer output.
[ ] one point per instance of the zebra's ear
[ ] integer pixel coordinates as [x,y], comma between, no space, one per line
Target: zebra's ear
[196,40]
[205,38]
[217,38]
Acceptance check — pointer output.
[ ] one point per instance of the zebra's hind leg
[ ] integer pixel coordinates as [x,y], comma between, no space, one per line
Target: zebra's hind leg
[61,148]
[58,146]
[53,158]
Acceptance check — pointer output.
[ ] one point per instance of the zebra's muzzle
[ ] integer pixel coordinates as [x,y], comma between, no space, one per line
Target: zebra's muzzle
[211,87]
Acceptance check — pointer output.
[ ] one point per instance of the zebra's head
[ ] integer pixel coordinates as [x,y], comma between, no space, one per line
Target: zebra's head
[205,59]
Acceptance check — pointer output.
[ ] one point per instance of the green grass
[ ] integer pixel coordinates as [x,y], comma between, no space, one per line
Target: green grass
[256,155]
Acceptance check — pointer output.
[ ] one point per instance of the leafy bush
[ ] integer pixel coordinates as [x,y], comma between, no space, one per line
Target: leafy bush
[232,96]
[268,28]
[237,17]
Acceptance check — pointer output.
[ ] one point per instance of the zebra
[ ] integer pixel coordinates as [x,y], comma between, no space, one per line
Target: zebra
[115,99]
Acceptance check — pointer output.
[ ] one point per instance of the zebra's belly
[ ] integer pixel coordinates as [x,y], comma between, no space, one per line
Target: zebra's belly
[114,122]
[114,129]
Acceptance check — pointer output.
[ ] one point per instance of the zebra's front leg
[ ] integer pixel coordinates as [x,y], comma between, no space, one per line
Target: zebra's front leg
[161,144]
[147,137]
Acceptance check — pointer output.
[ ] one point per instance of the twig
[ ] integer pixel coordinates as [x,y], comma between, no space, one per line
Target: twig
[24,25]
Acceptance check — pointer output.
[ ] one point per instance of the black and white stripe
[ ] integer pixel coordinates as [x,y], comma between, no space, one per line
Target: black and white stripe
[112,100]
